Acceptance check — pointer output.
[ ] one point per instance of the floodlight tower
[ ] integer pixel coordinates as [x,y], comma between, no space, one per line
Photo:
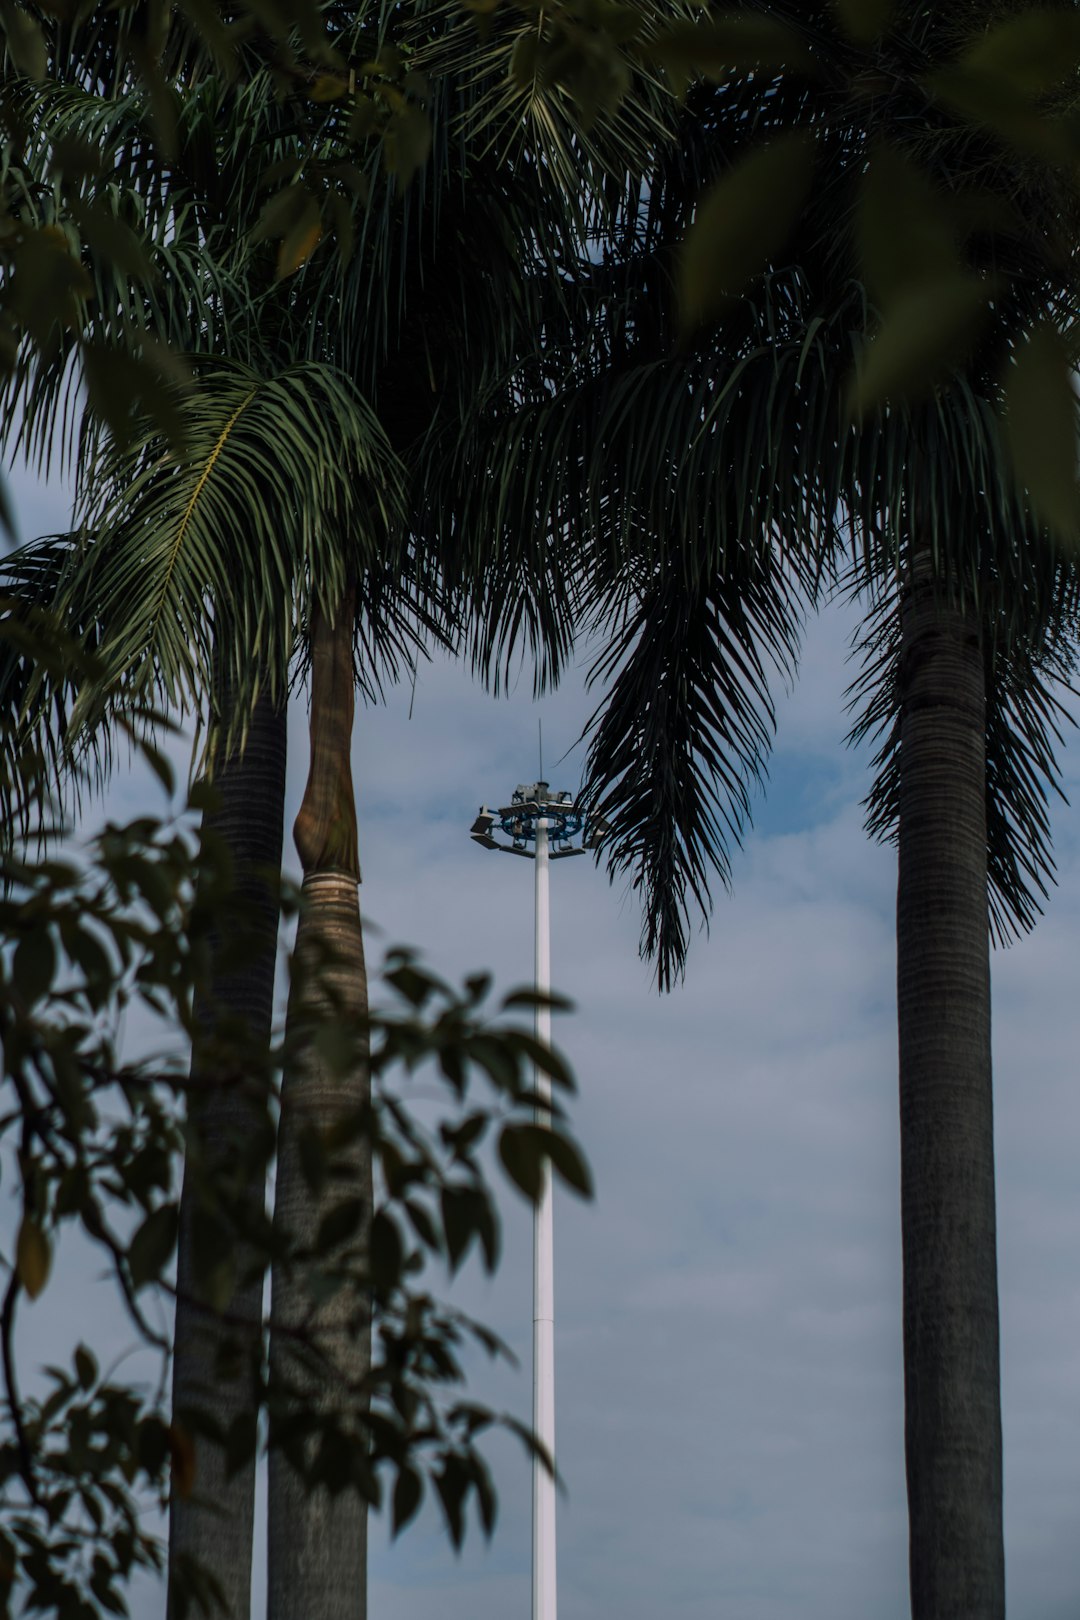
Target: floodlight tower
[550,822]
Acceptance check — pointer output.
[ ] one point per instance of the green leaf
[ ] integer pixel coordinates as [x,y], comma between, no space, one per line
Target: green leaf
[33,1257]
[112,240]
[86,1367]
[924,335]
[340,1224]
[999,106]
[241,1442]
[905,236]
[34,965]
[569,1163]
[740,225]
[459,1218]
[1041,429]
[1030,52]
[423,1225]
[152,1246]
[466,1135]
[864,20]
[719,46]
[386,1251]
[522,1159]
[406,143]
[547,1059]
[24,40]
[92,959]
[408,1495]
[293,215]
[452,1483]
[159,764]
[537,998]
[300,243]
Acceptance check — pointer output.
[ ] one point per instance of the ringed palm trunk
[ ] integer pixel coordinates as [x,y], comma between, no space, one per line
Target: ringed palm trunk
[213,1525]
[950,1295]
[318,1540]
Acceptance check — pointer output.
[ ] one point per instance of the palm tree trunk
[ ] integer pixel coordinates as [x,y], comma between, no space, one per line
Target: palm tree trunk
[318,1539]
[213,1526]
[950,1296]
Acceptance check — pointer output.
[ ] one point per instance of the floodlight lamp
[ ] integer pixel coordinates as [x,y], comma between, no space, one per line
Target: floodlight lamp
[484,821]
[596,830]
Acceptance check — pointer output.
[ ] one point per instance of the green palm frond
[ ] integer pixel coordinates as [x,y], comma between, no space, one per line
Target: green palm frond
[139,230]
[45,663]
[661,493]
[286,487]
[684,730]
[1026,676]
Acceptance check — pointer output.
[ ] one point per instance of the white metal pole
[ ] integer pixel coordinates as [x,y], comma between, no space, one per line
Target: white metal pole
[543,1549]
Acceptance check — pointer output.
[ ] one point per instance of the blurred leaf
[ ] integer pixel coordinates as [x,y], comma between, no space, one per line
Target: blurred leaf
[152,1246]
[1030,52]
[387,1254]
[467,1214]
[905,235]
[569,1163]
[86,1367]
[452,1482]
[33,1257]
[121,384]
[182,1457]
[112,240]
[740,225]
[408,1495]
[340,1224]
[999,80]
[547,1059]
[1041,428]
[423,1225]
[864,20]
[537,998]
[718,46]
[301,241]
[34,965]
[406,143]
[292,214]
[159,763]
[522,1159]
[48,285]
[327,87]
[925,334]
[24,40]
[998,105]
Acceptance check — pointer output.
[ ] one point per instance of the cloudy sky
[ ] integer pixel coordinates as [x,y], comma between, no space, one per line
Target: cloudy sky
[728,1329]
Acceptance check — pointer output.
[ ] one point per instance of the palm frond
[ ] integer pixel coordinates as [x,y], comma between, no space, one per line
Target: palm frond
[1026,719]
[683,731]
[285,487]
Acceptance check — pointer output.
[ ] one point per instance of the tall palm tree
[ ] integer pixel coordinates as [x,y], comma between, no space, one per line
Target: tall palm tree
[169,539]
[687,471]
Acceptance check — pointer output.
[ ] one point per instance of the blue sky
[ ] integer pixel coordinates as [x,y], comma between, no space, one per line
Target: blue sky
[728,1342]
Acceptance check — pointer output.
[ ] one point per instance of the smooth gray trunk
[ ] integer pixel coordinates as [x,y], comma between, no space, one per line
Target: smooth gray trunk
[212,1369]
[950,1295]
[318,1539]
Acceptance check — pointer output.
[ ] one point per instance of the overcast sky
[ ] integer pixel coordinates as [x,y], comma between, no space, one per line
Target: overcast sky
[729,1402]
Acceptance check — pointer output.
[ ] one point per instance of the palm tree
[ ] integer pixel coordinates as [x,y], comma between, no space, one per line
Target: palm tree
[688,473]
[169,540]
